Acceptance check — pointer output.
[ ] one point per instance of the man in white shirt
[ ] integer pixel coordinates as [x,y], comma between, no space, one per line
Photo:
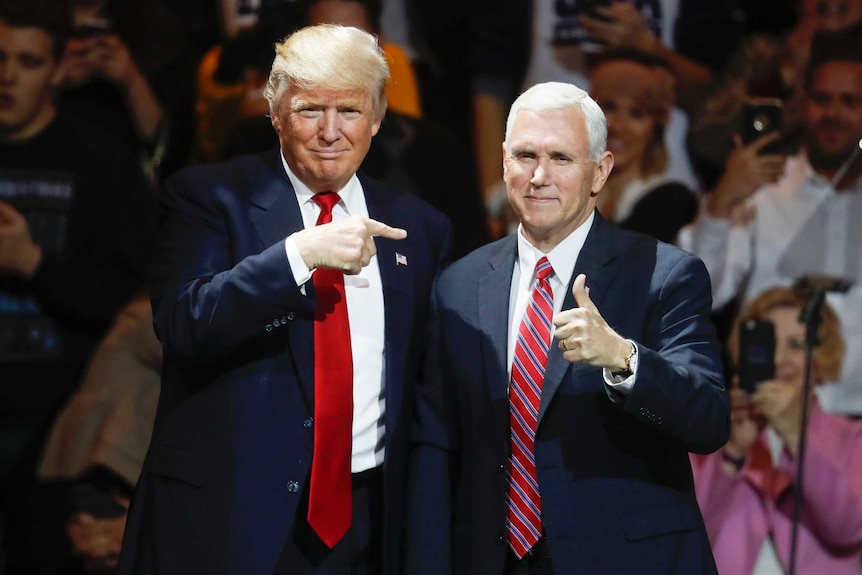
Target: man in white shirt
[240,477]
[605,370]
[767,223]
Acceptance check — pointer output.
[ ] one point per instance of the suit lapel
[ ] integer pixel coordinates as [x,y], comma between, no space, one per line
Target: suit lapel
[596,261]
[494,292]
[275,214]
[275,211]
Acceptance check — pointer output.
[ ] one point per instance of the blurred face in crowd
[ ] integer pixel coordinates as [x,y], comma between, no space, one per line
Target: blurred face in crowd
[789,344]
[342,12]
[831,14]
[620,88]
[551,179]
[833,113]
[325,134]
[27,74]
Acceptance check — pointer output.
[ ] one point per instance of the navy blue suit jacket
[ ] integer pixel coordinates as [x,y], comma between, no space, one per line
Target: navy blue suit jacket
[614,475]
[232,442]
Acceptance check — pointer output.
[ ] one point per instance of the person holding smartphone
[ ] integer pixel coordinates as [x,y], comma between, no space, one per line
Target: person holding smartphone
[746,490]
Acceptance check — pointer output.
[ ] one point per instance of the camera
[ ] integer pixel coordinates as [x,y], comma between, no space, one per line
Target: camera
[756,353]
[760,117]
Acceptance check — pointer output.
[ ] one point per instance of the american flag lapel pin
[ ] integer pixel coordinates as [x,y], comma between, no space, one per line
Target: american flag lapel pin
[400,259]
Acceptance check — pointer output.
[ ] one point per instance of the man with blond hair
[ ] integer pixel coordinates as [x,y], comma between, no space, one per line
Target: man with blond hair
[292,322]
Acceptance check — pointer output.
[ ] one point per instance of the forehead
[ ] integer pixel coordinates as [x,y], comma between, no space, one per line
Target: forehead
[785,316]
[31,41]
[562,129]
[620,76]
[329,96]
[838,76]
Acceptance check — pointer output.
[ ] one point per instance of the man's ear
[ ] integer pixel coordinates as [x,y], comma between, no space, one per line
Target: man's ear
[603,170]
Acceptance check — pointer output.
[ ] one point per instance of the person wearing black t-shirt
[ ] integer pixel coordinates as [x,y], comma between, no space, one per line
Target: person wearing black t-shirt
[76,221]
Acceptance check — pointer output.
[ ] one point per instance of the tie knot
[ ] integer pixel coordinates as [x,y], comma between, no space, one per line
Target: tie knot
[326,201]
[543,269]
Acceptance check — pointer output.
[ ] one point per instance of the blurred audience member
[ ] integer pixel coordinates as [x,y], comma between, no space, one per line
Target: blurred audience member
[231,78]
[770,66]
[96,449]
[636,92]
[766,223]
[76,222]
[747,490]
[127,68]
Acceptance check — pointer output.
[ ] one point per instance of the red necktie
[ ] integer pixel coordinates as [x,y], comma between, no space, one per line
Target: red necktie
[330,505]
[524,513]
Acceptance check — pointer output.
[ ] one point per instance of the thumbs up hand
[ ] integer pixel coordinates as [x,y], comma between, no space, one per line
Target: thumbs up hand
[585,336]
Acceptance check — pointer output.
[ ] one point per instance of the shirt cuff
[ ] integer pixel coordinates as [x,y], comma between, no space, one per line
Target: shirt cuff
[301,272]
[623,385]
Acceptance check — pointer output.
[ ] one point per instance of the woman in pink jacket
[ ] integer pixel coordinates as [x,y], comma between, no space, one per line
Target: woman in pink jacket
[746,490]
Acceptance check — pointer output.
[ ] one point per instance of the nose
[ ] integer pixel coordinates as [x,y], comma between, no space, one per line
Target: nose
[540,172]
[329,126]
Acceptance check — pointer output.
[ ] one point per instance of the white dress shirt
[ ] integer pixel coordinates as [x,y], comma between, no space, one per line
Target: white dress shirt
[562,258]
[364,293]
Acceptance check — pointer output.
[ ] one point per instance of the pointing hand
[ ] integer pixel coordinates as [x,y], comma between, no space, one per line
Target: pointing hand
[346,245]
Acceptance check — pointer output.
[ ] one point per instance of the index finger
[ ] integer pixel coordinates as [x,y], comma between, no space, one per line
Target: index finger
[379,229]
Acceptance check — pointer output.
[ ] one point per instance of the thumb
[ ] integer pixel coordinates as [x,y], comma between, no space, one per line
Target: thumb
[379,229]
[582,293]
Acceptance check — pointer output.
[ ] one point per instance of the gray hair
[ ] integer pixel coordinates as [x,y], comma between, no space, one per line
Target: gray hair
[560,95]
[329,56]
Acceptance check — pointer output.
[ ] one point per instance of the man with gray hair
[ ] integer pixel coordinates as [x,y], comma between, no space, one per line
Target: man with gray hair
[572,368]
[292,321]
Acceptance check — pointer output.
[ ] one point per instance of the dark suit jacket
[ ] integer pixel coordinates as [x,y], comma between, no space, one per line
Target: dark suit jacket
[613,471]
[232,442]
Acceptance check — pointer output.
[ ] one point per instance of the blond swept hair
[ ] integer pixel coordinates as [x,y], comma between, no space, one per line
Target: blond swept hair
[332,57]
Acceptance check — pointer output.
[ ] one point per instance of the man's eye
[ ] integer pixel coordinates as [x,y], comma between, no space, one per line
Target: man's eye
[309,112]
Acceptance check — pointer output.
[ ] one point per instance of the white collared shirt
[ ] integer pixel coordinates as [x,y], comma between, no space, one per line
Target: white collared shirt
[562,258]
[365,311]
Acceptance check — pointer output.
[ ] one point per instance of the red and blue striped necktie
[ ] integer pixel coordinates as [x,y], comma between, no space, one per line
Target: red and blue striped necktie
[524,513]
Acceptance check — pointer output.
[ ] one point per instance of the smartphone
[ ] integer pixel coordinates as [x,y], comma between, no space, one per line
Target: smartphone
[92,29]
[756,353]
[762,116]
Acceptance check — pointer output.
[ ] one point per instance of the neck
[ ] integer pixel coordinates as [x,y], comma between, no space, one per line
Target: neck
[841,176]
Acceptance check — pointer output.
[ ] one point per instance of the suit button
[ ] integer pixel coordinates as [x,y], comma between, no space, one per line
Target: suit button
[307,422]
[290,316]
[276,322]
[293,486]
[268,327]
